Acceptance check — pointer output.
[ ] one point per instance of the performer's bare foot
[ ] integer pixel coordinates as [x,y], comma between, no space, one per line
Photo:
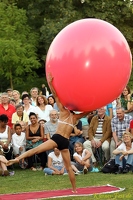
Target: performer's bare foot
[11,162]
[74,191]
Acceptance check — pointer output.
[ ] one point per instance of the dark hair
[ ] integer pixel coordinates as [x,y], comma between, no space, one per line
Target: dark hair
[51,97]
[3,118]
[32,113]
[19,105]
[17,125]
[24,96]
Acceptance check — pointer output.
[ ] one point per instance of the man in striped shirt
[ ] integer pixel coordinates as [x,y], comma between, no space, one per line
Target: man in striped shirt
[99,133]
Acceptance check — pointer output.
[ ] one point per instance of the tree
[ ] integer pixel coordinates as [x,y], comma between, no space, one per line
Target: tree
[18,45]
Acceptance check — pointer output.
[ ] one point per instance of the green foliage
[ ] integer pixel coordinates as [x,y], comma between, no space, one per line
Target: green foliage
[46,18]
[18,45]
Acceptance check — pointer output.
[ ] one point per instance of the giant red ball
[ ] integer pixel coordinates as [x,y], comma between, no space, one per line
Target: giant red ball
[90,61]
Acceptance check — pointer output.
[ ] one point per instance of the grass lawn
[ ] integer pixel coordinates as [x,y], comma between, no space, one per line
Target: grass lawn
[26,180]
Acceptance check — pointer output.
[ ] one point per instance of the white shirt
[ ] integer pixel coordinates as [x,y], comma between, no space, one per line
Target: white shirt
[122,147]
[18,140]
[80,156]
[44,114]
[56,161]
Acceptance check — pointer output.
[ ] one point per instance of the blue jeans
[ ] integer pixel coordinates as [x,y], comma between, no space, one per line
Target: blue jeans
[50,171]
[124,161]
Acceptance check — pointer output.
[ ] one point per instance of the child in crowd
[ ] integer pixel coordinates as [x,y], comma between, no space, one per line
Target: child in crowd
[82,157]
[19,143]
[3,168]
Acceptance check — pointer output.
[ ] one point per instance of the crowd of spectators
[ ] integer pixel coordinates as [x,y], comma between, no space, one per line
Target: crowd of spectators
[29,119]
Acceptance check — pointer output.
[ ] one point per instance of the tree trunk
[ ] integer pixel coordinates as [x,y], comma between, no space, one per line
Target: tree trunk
[11,82]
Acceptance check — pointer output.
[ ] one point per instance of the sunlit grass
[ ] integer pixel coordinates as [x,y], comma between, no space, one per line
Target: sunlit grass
[27,181]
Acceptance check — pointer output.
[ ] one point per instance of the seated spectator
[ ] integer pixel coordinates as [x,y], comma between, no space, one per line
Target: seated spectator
[3,167]
[19,144]
[6,108]
[119,124]
[99,134]
[28,107]
[90,116]
[82,157]
[34,137]
[55,163]
[16,97]
[43,107]
[51,125]
[20,115]
[131,127]
[109,110]
[124,154]
[75,136]
[85,126]
[23,125]
[5,137]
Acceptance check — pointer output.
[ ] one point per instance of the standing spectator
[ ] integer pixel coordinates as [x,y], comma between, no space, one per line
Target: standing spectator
[6,108]
[126,100]
[43,90]
[19,143]
[119,124]
[55,163]
[43,107]
[9,92]
[51,125]
[99,133]
[51,100]
[20,115]
[16,96]
[34,93]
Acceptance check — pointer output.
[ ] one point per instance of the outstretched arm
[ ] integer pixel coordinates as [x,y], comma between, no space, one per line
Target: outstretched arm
[50,81]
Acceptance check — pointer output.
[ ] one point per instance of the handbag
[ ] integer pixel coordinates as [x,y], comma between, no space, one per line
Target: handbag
[4,150]
[30,145]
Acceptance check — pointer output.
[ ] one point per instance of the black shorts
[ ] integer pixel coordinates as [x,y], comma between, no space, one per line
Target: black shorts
[61,141]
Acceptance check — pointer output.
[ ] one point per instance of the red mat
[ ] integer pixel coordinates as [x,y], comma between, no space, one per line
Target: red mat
[61,193]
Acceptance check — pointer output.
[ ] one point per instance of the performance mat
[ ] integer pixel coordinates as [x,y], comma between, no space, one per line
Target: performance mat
[47,194]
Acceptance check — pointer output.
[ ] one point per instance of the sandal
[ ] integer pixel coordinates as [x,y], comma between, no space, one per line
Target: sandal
[33,169]
[6,173]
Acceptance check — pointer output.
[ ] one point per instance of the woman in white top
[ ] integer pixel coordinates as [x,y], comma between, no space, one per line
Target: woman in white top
[124,154]
[43,107]
[5,137]
[82,157]
[55,163]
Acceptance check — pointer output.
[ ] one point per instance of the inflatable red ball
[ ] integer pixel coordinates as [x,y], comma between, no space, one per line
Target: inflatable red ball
[90,61]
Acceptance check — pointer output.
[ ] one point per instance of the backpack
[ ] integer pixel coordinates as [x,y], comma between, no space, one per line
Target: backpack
[110,167]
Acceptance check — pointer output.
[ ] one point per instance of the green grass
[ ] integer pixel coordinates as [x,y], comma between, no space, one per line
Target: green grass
[26,181]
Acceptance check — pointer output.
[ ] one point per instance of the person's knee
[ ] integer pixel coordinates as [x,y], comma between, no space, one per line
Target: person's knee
[87,144]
